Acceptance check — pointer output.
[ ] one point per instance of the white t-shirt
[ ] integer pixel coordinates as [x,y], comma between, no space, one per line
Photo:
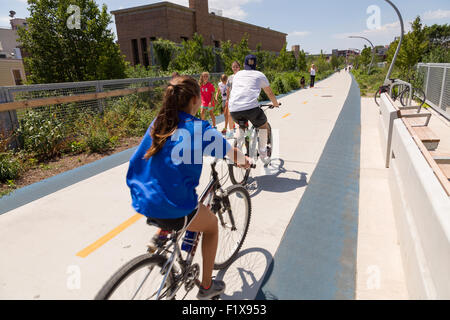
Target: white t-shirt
[313,71]
[223,90]
[247,85]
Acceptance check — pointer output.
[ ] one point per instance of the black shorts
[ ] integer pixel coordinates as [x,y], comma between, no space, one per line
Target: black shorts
[256,116]
[173,224]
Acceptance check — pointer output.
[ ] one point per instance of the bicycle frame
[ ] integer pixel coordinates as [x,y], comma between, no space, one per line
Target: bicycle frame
[207,198]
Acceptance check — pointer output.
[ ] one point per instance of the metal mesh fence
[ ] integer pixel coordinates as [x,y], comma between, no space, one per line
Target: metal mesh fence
[436,86]
[70,118]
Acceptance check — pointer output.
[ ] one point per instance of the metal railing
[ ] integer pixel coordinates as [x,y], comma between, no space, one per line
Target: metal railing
[71,101]
[436,85]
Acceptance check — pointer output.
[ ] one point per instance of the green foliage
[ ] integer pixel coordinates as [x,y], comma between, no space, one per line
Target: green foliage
[301,61]
[56,53]
[165,50]
[366,56]
[98,139]
[9,167]
[42,133]
[236,52]
[194,55]
[286,60]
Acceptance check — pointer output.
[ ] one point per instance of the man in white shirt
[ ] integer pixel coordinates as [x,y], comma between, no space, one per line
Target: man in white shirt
[243,100]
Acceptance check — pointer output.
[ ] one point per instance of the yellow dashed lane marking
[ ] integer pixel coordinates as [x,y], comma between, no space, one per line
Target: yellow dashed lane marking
[101,241]
[286,115]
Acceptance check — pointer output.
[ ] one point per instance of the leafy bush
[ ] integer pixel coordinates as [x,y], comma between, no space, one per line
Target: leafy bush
[42,133]
[9,167]
[99,140]
[278,86]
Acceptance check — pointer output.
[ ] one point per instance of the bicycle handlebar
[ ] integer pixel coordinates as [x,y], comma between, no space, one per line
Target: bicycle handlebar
[270,106]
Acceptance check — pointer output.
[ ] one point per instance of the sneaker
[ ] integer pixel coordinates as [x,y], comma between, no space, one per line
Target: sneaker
[216,289]
[224,131]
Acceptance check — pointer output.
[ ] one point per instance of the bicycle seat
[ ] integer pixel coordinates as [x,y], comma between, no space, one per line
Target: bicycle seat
[243,124]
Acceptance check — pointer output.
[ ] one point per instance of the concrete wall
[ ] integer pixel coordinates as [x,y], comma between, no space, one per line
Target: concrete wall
[422,212]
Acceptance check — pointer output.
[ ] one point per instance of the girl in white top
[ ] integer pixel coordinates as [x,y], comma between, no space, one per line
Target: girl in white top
[313,71]
[223,92]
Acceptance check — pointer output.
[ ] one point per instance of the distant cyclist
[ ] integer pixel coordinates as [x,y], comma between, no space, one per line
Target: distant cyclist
[243,103]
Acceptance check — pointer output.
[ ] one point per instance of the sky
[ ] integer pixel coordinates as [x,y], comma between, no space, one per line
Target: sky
[314,25]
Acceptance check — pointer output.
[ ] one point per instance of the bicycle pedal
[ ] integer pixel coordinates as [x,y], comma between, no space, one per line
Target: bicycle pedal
[151,248]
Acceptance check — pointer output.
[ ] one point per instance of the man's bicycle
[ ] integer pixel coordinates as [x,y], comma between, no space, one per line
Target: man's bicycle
[248,146]
[160,275]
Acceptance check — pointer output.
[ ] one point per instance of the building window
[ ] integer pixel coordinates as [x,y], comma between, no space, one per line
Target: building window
[17,77]
[217,44]
[135,50]
[152,38]
[184,38]
[144,51]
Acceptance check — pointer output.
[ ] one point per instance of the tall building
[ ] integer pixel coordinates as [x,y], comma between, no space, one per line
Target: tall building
[137,26]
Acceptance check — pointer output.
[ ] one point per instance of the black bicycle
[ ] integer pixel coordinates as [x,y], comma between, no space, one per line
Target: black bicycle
[160,274]
[248,146]
[403,94]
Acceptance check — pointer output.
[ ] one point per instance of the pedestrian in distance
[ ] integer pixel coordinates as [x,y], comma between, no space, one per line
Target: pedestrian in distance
[302,82]
[207,92]
[236,67]
[312,73]
[223,93]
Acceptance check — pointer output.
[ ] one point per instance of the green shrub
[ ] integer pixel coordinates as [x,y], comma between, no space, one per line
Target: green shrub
[99,140]
[42,133]
[9,167]
[278,86]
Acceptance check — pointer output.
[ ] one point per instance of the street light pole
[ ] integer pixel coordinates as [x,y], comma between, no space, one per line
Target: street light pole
[373,51]
[386,81]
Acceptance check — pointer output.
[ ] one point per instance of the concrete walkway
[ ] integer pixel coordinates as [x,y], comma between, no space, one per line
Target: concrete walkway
[41,239]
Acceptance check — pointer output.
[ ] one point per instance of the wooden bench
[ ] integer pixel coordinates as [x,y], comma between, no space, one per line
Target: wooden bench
[443,161]
[427,136]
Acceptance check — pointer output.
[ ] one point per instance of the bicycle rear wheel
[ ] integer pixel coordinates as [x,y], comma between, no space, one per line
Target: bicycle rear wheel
[417,95]
[240,175]
[139,279]
[238,209]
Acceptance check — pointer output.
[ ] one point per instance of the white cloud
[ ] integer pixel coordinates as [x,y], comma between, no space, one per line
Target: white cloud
[437,14]
[231,8]
[4,21]
[299,34]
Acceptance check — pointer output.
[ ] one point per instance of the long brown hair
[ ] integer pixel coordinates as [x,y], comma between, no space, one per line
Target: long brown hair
[177,97]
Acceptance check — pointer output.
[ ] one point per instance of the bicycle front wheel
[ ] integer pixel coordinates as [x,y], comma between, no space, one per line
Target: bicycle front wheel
[240,175]
[139,279]
[233,225]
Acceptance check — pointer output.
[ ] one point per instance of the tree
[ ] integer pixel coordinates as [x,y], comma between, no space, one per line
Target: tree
[236,52]
[60,51]
[194,55]
[413,48]
[301,61]
[366,56]
[286,60]
[165,50]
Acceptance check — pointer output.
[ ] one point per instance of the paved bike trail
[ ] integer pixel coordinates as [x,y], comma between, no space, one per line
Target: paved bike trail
[51,231]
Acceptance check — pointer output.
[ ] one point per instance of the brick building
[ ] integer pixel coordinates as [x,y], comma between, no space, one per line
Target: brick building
[137,26]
